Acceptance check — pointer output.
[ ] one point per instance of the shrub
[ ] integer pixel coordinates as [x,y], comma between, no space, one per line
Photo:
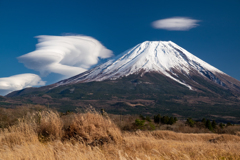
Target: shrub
[148,119]
[190,122]
[91,128]
[50,125]
[152,126]
[139,123]
[142,117]
[221,125]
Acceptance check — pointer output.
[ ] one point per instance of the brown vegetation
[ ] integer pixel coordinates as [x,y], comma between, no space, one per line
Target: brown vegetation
[45,134]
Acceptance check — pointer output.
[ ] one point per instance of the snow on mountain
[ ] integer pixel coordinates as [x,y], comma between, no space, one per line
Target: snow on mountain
[164,57]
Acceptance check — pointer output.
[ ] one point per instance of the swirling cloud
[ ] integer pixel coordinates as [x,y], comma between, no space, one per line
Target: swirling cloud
[18,82]
[65,55]
[175,23]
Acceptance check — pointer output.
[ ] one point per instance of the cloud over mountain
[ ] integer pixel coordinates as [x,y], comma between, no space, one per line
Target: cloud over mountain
[18,82]
[65,55]
[175,24]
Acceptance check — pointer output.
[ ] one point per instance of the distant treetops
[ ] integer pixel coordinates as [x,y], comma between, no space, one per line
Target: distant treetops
[211,125]
[164,120]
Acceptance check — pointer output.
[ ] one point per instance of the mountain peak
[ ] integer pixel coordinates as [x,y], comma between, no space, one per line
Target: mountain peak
[164,57]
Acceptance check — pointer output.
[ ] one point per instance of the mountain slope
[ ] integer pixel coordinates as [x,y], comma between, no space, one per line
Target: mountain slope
[162,57]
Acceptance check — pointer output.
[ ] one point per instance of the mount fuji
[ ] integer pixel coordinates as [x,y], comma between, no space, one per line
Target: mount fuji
[163,57]
[152,77]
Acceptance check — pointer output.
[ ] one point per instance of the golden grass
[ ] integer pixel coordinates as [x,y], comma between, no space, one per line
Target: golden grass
[91,128]
[90,136]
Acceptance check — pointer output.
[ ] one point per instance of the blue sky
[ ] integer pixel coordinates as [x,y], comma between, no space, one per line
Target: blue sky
[118,25]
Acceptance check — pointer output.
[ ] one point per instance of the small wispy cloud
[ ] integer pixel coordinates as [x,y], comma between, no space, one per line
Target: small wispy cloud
[18,82]
[175,23]
[65,55]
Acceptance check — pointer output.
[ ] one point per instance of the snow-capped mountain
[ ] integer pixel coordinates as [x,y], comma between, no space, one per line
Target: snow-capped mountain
[152,77]
[164,57]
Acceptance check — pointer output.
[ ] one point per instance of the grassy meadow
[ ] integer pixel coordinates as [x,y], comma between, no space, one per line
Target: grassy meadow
[36,132]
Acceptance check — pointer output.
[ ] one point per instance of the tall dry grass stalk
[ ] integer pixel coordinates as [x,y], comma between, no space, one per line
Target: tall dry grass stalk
[49,125]
[90,136]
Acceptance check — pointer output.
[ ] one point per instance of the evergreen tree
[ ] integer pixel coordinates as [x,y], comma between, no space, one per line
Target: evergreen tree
[171,121]
[165,119]
[209,125]
[175,119]
[157,118]
[204,121]
[214,124]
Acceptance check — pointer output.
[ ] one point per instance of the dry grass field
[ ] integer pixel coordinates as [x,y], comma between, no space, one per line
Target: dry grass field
[45,134]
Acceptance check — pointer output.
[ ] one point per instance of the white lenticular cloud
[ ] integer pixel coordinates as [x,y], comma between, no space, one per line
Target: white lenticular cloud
[65,55]
[175,23]
[18,82]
